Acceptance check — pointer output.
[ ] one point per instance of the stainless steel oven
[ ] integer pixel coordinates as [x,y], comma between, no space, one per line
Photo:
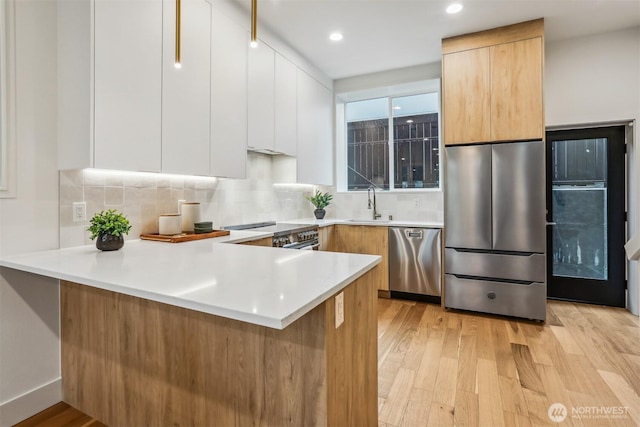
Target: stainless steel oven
[289,236]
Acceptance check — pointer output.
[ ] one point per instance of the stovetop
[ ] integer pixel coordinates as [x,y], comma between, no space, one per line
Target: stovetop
[280,229]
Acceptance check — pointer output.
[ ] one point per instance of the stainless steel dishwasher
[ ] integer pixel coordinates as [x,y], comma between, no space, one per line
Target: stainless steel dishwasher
[414,263]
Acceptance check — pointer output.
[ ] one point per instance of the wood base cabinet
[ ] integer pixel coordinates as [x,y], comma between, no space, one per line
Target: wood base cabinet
[326,238]
[128,361]
[361,239]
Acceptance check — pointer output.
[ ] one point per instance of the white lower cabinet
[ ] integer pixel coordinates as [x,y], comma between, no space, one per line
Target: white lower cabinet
[228,98]
[186,91]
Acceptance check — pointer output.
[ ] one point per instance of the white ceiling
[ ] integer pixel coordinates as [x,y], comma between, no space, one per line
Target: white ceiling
[385,34]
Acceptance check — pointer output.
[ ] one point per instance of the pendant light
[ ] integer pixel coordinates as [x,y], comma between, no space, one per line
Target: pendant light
[254,23]
[178,19]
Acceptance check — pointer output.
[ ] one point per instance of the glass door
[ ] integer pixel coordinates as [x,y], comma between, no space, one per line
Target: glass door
[586,210]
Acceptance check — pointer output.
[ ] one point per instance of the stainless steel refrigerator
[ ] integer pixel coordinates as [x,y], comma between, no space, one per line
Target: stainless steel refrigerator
[495,236]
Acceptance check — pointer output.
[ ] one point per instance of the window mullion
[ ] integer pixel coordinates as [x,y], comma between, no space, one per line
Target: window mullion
[391,157]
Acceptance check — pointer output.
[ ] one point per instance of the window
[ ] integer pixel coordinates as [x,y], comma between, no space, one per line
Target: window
[7,152]
[390,142]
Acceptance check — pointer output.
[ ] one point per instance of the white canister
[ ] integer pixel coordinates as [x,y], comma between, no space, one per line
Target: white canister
[190,214]
[170,224]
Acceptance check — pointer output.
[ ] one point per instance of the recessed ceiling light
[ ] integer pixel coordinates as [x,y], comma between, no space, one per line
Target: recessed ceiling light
[409,121]
[454,8]
[336,37]
[397,107]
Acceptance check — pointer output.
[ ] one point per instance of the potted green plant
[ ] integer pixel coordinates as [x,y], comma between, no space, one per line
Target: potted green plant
[109,227]
[320,200]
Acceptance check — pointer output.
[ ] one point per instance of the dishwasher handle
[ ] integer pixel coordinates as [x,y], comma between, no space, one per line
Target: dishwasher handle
[414,233]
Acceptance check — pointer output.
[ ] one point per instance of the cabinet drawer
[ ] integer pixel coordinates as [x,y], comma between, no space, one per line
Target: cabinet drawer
[509,299]
[510,267]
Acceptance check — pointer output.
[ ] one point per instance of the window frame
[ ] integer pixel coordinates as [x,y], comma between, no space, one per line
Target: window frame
[7,100]
[390,92]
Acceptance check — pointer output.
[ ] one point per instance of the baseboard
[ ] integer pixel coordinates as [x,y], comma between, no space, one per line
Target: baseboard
[29,404]
[384,294]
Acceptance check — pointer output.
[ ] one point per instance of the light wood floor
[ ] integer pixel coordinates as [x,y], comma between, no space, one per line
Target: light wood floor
[60,415]
[445,368]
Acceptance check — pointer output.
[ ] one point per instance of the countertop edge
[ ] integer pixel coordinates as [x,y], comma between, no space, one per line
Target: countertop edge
[378,223]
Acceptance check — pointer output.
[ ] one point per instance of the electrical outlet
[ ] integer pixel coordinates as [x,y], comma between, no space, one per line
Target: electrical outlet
[339,309]
[417,203]
[79,211]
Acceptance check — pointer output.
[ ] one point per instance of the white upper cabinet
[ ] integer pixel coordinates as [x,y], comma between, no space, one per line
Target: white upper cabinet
[315,130]
[128,84]
[286,138]
[186,91]
[124,105]
[261,87]
[228,97]
[272,102]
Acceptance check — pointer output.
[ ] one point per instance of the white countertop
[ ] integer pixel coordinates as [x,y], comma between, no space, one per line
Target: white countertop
[271,287]
[378,222]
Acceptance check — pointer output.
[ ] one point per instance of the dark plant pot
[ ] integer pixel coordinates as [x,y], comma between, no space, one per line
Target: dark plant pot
[319,213]
[108,242]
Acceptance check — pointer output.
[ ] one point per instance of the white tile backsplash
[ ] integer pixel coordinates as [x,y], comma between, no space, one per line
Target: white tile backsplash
[142,197]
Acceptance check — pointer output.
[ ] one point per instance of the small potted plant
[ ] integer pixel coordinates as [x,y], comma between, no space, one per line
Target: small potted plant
[320,200]
[109,227]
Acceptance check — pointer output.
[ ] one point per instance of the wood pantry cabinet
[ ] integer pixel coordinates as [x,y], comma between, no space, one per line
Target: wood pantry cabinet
[493,85]
[371,240]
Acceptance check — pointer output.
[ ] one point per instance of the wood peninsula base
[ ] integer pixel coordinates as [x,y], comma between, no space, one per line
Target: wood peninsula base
[128,361]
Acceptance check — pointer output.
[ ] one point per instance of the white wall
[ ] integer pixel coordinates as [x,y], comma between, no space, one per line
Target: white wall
[29,314]
[596,79]
[592,79]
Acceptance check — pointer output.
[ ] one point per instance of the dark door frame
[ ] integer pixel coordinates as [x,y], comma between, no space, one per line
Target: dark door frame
[611,292]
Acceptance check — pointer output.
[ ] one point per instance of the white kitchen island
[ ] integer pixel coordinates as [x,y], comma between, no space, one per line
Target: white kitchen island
[205,333]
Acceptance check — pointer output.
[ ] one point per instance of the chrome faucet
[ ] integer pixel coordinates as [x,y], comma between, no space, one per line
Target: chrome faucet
[371,188]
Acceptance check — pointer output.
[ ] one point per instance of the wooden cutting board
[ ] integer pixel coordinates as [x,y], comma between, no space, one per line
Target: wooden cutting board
[184,237]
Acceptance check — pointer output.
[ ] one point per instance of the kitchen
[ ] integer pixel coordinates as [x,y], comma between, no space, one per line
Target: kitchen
[30,222]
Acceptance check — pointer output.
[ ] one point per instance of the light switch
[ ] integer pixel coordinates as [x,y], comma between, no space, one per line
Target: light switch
[339,309]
